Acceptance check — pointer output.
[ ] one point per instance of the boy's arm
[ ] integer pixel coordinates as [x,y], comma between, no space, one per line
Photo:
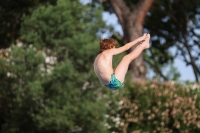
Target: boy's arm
[127,46]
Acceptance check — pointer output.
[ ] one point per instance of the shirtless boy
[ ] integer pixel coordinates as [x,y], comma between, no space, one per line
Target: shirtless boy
[111,78]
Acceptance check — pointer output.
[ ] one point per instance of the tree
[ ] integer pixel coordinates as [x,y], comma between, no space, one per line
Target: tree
[47,84]
[175,24]
[11,12]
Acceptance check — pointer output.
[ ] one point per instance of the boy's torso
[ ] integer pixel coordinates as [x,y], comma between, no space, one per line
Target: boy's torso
[103,67]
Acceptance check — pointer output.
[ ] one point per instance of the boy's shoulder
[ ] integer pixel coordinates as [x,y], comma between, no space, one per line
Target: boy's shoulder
[109,51]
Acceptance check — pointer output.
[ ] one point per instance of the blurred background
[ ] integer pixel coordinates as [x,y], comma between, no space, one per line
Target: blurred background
[47,82]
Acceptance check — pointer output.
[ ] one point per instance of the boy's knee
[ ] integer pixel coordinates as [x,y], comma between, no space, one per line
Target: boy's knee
[126,57]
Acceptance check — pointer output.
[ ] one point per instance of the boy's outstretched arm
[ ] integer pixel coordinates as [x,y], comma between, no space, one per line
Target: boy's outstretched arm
[131,44]
[128,45]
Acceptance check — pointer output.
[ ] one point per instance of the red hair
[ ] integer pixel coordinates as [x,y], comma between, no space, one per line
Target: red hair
[106,44]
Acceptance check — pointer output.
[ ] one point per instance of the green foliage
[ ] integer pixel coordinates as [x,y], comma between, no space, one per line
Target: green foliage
[156,107]
[10,17]
[20,88]
[173,24]
[47,83]
[66,31]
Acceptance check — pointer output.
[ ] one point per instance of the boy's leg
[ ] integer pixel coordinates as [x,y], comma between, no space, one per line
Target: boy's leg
[122,67]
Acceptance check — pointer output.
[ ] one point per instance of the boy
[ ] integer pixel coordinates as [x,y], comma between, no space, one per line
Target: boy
[114,79]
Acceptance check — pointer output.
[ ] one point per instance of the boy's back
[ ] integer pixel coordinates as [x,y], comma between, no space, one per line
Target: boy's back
[103,66]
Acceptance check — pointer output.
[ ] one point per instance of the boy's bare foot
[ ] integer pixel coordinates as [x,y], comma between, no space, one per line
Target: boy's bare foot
[146,41]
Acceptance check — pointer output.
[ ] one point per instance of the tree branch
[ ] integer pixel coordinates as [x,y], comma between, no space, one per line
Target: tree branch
[142,8]
[121,10]
[155,66]
[195,70]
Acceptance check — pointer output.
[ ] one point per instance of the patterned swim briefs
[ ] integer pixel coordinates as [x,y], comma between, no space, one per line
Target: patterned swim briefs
[114,83]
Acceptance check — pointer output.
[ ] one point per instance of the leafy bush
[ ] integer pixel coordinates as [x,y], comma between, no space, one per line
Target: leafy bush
[47,84]
[156,107]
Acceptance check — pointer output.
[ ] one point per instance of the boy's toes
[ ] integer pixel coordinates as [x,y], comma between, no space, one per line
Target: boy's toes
[147,36]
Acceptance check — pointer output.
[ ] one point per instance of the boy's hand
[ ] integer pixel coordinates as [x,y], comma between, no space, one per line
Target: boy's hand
[142,38]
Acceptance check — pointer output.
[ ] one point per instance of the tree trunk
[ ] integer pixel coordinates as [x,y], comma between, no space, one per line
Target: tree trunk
[132,25]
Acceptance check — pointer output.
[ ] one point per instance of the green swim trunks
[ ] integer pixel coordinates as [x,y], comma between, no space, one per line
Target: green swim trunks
[114,83]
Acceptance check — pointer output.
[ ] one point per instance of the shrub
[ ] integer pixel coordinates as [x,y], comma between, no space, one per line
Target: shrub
[157,107]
